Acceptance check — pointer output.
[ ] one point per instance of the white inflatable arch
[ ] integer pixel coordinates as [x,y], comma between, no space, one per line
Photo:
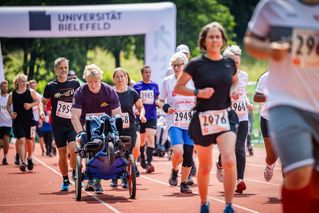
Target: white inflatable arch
[156,20]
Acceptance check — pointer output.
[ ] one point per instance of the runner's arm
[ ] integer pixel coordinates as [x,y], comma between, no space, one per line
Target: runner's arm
[116,111]
[140,107]
[259,97]
[75,119]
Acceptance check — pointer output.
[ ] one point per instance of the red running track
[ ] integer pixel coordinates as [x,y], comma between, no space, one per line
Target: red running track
[39,190]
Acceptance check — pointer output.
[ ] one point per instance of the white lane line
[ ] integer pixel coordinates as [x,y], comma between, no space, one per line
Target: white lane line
[212,198]
[92,195]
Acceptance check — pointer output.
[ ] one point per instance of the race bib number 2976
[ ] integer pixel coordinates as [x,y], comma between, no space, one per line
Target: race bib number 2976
[214,121]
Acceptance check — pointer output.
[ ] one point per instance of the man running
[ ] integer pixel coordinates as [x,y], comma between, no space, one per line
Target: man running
[93,98]
[61,91]
[5,120]
[286,33]
[148,91]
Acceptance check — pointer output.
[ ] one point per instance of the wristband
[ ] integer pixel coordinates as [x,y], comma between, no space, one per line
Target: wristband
[166,107]
[196,91]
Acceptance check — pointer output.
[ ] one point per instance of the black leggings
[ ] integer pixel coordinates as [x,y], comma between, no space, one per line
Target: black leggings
[240,149]
[47,137]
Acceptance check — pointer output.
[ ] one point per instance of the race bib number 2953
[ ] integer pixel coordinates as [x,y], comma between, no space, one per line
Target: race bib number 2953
[63,109]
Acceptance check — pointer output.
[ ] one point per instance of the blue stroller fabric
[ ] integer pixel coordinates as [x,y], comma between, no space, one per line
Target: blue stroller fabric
[99,166]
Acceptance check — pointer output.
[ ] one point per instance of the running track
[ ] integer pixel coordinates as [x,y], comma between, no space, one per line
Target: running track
[39,191]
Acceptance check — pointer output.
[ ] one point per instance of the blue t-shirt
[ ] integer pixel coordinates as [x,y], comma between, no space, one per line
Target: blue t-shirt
[148,93]
[104,101]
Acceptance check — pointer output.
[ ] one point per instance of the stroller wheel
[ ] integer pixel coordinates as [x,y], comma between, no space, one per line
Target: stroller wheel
[131,170]
[110,152]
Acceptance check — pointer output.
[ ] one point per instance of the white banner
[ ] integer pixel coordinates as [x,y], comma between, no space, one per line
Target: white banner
[1,66]
[156,20]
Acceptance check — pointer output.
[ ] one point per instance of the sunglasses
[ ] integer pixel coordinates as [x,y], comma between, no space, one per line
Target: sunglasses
[177,65]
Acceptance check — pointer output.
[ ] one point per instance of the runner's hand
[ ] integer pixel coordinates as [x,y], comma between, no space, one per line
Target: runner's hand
[206,93]
[171,110]
[143,119]
[279,50]
[250,107]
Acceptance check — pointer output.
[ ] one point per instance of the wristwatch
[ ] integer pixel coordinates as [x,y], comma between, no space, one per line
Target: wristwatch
[196,91]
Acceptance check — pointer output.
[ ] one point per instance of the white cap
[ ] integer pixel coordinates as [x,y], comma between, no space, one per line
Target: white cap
[182,48]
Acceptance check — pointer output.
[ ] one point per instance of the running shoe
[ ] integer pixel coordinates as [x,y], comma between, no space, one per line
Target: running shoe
[204,208]
[89,186]
[269,172]
[228,209]
[219,173]
[241,186]
[124,183]
[98,188]
[149,168]
[173,179]
[250,151]
[114,183]
[143,163]
[4,161]
[17,160]
[185,188]
[190,180]
[65,185]
[23,167]
[30,164]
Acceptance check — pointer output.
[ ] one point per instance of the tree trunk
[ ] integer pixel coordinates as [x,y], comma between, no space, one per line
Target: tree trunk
[32,65]
[116,54]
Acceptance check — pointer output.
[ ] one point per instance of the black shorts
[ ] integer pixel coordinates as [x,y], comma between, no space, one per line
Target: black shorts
[4,130]
[150,124]
[264,127]
[22,129]
[196,133]
[130,132]
[63,135]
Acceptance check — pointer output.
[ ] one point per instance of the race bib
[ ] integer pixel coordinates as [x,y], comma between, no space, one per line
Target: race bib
[64,109]
[33,131]
[182,118]
[126,120]
[239,107]
[147,96]
[214,121]
[305,48]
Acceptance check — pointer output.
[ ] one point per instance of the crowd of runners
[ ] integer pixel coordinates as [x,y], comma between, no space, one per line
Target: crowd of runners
[205,102]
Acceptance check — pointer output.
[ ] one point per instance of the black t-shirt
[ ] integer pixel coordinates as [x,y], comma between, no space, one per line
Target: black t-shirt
[127,100]
[61,95]
[18,101]
[215,74]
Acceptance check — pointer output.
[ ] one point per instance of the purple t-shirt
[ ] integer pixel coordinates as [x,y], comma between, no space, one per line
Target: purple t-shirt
[148,93]
[104,101]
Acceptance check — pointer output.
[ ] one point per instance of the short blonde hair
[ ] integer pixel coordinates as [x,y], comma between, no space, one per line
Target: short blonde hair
[92,71]
[179,57]
[18,78]
[59,60]
[232,50]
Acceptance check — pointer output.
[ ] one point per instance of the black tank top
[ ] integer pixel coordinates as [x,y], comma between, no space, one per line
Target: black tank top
[18,101]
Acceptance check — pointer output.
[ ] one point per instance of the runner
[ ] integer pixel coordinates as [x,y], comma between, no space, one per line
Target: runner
[5,121]
[23,99]
[271,156]
[180,48]
[128,99]
[179,113]
[37,117]
[213,121]
[60,91]
[93,98]
[286,33]
[148,91]
[241,107]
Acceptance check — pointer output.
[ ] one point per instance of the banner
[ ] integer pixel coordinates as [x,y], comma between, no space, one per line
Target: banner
[156,20]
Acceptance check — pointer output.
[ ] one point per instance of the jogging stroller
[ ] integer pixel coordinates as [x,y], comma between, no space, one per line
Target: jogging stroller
[106,153]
